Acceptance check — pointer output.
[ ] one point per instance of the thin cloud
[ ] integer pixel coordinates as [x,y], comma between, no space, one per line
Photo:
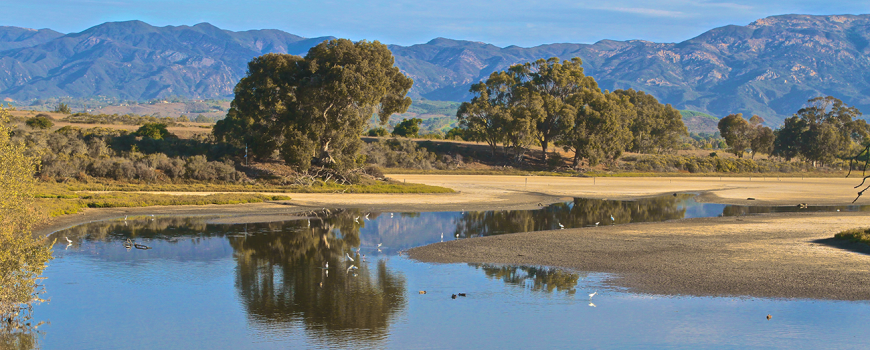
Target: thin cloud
[643,11]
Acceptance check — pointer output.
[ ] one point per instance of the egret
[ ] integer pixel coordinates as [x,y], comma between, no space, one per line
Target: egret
[591,304]
[309,222]
[442,236]
[561,227]
[352,267]
[367,216]
[380,244]
[611,218]
[67,239]
[125,217]
[391,215]
[597,222]
[593,294]
[356,219]
[348,256]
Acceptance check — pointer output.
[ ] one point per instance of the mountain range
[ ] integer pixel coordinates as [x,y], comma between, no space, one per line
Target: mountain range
[769,67]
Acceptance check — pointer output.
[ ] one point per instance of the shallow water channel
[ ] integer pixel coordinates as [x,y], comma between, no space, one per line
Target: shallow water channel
[206,285]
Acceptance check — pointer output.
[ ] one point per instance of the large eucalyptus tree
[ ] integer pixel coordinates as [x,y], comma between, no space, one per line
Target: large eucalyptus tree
[312,109]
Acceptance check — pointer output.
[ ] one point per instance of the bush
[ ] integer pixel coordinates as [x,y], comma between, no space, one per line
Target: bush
[154,131]
[408,127]
[40,121]
[377,132]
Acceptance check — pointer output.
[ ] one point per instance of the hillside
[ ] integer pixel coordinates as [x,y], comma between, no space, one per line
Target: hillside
[769,67]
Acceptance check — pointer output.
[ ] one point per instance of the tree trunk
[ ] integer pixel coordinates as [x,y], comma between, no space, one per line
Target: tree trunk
[324,158]
[544,148]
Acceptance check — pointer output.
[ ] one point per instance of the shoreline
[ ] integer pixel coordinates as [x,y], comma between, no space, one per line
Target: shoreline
[767,255]
[787,255]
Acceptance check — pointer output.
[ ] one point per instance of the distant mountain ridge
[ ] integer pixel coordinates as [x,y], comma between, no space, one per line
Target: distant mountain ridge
[769,67]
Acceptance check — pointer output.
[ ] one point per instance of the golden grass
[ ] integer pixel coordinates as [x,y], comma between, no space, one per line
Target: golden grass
[861,235]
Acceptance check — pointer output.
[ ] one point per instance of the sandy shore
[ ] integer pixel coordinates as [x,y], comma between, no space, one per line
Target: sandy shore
[783,255]
[777,255]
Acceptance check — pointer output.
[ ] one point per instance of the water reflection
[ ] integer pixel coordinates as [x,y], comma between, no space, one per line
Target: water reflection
[533,278]
[580,212]
[281,280]
[276,273]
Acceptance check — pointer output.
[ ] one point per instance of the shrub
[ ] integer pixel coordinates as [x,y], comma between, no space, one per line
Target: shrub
[377,132]
[155,131]
[40,121]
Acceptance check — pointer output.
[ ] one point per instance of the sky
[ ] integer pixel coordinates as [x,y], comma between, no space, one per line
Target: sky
[524,23]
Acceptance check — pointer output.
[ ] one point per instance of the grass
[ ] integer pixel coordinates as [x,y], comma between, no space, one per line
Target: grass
[57,199]
[860,235]
[517,172]
[54,190]
[73,203]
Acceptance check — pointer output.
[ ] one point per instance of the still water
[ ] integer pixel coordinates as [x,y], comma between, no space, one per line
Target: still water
[206,285]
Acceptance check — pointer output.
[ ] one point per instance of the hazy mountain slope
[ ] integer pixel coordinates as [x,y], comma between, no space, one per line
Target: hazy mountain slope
[769,67]
[139,61]
[15,37]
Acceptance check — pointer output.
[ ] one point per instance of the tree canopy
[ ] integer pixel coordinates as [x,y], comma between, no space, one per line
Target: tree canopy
[312,109]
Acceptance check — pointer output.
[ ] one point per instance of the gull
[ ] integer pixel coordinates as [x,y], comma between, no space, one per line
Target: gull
[348,257]
[561,227]
[593,294]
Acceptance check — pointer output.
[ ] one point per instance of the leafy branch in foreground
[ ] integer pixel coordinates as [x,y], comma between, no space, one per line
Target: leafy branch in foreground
[22,256]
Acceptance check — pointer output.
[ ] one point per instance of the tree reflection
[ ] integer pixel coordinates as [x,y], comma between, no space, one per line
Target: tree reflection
[19,340]
[281,278]
[533,278]
[578,213]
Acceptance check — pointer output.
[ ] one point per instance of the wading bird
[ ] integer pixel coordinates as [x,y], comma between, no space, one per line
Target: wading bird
[561,226]
[593,294]
[348,256]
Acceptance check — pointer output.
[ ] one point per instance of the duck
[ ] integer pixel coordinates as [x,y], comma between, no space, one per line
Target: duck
[141,246]
[128,244]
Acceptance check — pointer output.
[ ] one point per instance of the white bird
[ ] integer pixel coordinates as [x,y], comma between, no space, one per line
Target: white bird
[367,216]
[593,294]
[380,244]
[125,217]
[309,222]
[326,266]
[351,267]
[611,218]
[67,239]
[356,219]
[391,215]
[348,256]
[442,236]
[838,209]
[591,304]
[597,222]
[560,225]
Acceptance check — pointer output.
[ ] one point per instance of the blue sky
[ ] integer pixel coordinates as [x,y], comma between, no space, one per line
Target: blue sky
[524,23]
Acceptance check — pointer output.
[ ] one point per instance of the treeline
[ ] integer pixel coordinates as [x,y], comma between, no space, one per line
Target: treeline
[548,102]
[825,132]
[151,154]
[122,119]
